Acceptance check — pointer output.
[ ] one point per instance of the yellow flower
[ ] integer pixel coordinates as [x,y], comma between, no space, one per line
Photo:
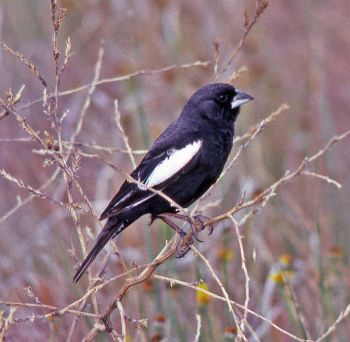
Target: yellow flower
[276,277]
[285,259]
[203,298]
[280,276]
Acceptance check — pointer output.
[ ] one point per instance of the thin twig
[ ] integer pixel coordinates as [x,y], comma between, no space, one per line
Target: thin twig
[30,66]
[322,177]
[117,79]
[20,203]
[344,314]
[199,325]
[122,320]
[59,161]
[166,253]
[298,310]
[270,192]
[223,290]
[249,23]
[35,192]
[245,271]
[223,299]
[124,136]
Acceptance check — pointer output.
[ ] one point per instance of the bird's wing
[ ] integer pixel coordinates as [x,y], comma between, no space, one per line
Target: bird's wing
[160,168]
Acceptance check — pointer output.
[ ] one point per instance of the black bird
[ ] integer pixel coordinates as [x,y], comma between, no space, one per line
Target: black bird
[183,163]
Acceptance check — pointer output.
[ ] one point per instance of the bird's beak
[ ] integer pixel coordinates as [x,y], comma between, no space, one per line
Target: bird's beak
[240,98]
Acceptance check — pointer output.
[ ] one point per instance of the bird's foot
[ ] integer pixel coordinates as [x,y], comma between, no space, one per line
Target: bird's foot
[197,226]
[184,246]
[186,240]
[200,221]
[172,225]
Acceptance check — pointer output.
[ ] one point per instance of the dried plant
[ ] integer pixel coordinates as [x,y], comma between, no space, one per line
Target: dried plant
[71,143]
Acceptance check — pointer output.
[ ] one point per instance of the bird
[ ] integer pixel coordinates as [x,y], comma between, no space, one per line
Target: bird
[183,163]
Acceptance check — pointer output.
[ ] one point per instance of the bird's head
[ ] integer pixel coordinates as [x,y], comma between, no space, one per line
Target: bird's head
[216,102]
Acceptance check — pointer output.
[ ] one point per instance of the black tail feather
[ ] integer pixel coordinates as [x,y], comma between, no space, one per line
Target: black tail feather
[111,229]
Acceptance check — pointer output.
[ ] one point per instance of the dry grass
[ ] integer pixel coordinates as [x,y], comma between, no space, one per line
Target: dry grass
[111,76]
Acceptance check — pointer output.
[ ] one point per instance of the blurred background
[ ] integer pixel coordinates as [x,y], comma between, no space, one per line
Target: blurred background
[297,53]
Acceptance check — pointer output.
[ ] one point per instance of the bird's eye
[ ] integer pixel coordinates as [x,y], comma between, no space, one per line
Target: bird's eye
[223,98]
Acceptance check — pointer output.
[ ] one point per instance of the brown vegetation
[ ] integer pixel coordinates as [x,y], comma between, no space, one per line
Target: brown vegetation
[86,87]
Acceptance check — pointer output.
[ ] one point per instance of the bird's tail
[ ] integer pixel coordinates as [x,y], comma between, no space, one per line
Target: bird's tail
[111,229]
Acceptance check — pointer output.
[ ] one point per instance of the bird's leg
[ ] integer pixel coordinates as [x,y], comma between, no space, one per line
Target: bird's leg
[172,225]
[178,216]
[184,244]
[199,225]
[189,221]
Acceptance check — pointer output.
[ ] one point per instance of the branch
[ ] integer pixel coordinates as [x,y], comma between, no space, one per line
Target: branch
[249,22]
[223,299]
[270,192]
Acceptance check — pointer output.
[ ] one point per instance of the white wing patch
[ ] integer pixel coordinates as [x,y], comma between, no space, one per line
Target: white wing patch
[173,163]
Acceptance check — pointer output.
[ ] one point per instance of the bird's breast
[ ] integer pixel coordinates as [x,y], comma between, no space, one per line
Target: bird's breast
[215,154]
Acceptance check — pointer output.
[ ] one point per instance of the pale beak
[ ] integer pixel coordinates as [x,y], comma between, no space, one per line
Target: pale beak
[240,98]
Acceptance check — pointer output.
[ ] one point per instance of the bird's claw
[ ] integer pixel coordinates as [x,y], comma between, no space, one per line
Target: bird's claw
[195,236]
[211,229]
[201,220]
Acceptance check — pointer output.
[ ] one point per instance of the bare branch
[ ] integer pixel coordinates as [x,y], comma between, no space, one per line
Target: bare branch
[270,192]
[322,177]
[344,314]
[249,23]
